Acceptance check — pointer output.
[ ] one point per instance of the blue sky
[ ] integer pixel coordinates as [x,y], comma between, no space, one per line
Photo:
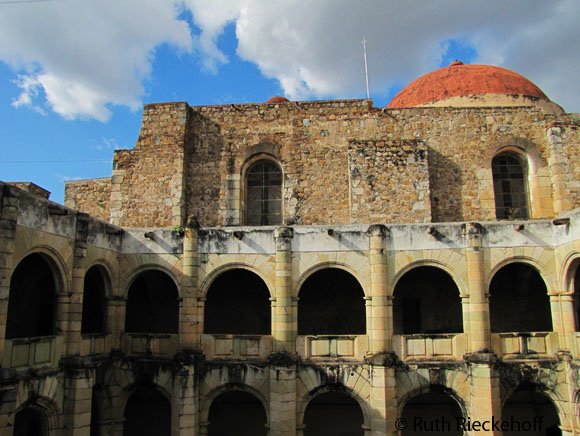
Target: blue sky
[75,73]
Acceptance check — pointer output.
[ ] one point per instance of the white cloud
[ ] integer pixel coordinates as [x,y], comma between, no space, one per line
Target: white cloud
[313,48]
[83,57]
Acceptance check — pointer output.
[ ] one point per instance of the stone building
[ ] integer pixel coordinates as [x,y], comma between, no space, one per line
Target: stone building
[306,268]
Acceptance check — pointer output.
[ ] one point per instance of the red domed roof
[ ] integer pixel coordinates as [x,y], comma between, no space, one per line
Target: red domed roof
[277,99]
[459,80]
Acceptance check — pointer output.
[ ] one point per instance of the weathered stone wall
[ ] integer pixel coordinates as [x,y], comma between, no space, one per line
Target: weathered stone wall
[147,181]
[91,196]
[191,161]
[389,181]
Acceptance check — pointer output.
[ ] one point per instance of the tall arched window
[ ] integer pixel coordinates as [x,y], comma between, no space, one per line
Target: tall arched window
[509,186]
[264,194]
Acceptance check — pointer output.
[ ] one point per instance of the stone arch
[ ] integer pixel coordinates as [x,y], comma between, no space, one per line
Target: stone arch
[511,183]
[147,411]
[325,298]
[533,263]
[325,265]
[572,285]
[273,167]
[237,302]
[35,283]
[44,412]
[60,269]
[130,278]
[334,389]
[538,400]
[218,391]
[150,309]
[210,278]
[96,289]
[517,290]
[436,407]
[415,302]
[455,276]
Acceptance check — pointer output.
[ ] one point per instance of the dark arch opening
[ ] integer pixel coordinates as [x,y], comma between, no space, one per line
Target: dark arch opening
[264,194]
[333,413]
[32,300]
[577,296]
[94,307]
[237,413]
[147,413]
[331,303]
[238,302]
[152,304]
[427,301]
[432,413]
[525,407]
[28,422]
[519,300]
[509,186]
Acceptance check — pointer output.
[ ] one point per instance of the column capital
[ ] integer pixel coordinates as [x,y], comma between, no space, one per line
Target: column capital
[378,230]
[283,237]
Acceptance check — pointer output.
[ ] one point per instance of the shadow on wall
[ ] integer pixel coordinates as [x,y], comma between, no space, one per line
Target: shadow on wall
[445,183]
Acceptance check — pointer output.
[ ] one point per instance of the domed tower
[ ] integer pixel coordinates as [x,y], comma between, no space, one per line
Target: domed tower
[460,85]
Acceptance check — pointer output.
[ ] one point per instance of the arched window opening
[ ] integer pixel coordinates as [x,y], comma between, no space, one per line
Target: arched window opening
[333,413]
[237,413]
[264,194]
[152,304]
[509,186]
[524,409]
[519,300]
[147,413]
[577,297]
[331,303]
[434,413]
[93,320]
[238,302]
[29,422]
[427,301]
[32,300]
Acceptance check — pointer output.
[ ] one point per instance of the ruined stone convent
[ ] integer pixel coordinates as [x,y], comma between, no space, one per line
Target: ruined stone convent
[306,268]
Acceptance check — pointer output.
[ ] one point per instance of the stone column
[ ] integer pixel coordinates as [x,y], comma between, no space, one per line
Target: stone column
[188,317]
[283,400]
[74,311]
[9,202]
[78,390]
[8,404]
[383,399]
[563,319]
[485,391]
[116,318]
[185,412]
[380,324]
[284,315]
[476,321]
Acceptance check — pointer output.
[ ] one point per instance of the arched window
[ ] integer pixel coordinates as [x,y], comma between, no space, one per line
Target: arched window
[237,413]
[331,303]
[519,300]
[427,301]
[93,321]
[509,186]
[152,304]
[264,194]
[32,301]
[238,302]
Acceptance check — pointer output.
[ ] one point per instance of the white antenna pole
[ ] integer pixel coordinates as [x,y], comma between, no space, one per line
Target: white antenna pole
[364,43]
